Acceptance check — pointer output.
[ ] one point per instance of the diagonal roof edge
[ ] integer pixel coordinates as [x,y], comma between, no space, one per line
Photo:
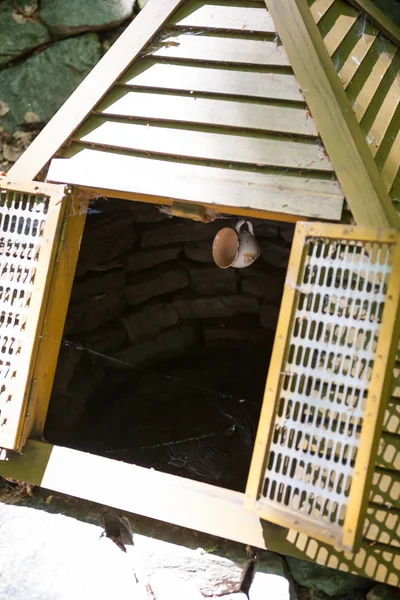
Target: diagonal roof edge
[352,160]
[92,89]
[378,18]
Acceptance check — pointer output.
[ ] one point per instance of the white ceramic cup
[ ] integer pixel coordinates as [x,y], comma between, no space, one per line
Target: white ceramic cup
[235,248]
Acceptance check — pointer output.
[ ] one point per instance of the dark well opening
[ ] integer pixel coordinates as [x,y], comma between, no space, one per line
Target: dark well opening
[164,355]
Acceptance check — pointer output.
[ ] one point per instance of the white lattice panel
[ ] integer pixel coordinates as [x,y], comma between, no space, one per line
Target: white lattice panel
[321,384]
[29,226]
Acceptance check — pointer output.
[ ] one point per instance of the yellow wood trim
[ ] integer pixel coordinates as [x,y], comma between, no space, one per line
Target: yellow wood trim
[186,503]
[55,313]
[347,148]
[16,410]
[219,208]
[379,391]
[93,88]
[377,17]
[280,348]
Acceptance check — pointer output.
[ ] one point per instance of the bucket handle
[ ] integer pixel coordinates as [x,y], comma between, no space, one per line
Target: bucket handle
[242,222]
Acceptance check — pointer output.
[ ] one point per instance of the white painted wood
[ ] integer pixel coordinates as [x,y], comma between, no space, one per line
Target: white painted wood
[93,88]
[214,80]
[209,111]
[260,151]
[237,18]
[309,197]
[221,49]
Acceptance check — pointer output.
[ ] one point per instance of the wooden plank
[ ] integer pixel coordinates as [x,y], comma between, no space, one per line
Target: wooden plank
[239,189]
[365,35]
[392,162]
[384,23]
[386,112]
[209,48]
[234,82]
[209,111]
[93,88]
[336,24]
[396,382]
[331,110]
[56,310]
[389,452]
[206,145]
[370,87]
[319,8]
[201,15]
[186,503]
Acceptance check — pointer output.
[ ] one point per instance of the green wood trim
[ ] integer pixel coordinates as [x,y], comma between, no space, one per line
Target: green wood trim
[378,18]
[347,148]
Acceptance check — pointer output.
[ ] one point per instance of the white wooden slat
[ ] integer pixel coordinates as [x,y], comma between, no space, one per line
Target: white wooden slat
[276,152]
[93,88]
[210,111]
[235,18]
[221,49]
[218,81]
[319,8]
[306,196]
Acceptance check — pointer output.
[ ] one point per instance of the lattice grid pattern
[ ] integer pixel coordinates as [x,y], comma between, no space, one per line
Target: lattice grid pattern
[27,229]
[316,400]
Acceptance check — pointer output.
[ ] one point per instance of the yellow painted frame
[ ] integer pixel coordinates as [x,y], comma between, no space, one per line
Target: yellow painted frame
[13,418]
[348,537]
[361,181]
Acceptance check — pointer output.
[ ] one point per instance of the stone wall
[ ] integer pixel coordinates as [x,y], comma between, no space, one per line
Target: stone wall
[147,290]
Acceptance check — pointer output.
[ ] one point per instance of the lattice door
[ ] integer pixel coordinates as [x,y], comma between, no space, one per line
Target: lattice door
[328,382]
[31,219]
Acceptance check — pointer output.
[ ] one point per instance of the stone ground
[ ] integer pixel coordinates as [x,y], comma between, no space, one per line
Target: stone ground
[54,547]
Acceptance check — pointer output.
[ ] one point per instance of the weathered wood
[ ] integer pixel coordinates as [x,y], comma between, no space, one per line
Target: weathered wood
[234,82]
[93,88]
[339,130]
[384,23]
[386,52]
[387,109]
[392,162]
[260,151]
[210,48]
[237,189]
[209,111]
[336,24]
[360,45]
[186,503]
[200,15]
[319,7]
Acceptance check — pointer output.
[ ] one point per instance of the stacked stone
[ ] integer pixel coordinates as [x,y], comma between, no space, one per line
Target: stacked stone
[147,289]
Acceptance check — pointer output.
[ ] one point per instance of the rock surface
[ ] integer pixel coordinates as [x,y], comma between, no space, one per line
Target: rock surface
[383,592]
[45,557]
[43,82]
[329,581]
[67,17]
[20,32]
